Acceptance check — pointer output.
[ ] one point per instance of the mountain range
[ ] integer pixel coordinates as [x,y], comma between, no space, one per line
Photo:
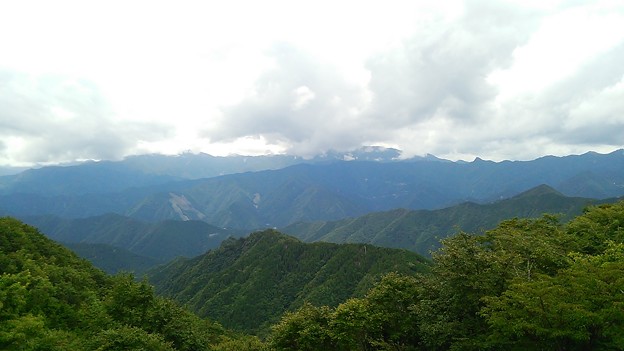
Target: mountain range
[421,230]
[323,191]
[118,243]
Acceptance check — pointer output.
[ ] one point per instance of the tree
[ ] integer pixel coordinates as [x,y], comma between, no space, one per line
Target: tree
[305,329]
[129,338]
[597,226]
[391,305]
[581,308]
[469,268]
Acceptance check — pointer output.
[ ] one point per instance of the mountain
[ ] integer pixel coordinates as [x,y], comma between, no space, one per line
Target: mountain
[112,259]
[528,284]
[247,283]
[335,190]
[197,166]
[349,189]
[53,300]
[5,170]
[139,171]
[86,178]
[159,241]
[421,230]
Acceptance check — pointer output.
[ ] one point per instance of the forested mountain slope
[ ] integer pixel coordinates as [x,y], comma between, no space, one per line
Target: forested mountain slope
[528,284]
[113,259]
[161,241]
[421,230]
[349,189]
[52,300]
[248,283]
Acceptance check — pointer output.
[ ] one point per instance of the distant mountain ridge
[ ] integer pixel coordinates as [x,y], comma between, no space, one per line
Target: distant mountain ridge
[421,230]
[334,190]
[247,283]
[142,170]
[349,189]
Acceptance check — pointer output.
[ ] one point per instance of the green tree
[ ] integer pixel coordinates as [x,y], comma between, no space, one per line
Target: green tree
[305,329]
[129,302]
[127,338]
[469,268]
[581,308]
[353,326]
[391,304]
[597,226]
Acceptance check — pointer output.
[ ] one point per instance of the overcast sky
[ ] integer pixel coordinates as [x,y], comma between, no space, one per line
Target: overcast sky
[457,79]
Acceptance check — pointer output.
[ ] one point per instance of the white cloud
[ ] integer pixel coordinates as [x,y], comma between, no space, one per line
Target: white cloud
[504,79]
[302,97]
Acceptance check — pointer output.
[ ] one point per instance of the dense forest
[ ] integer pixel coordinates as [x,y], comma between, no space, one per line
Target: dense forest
[52,300]
[528,284]
[248,283]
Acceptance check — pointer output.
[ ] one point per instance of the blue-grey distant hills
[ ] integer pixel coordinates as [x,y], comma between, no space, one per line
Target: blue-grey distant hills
[323,191]
[144,170]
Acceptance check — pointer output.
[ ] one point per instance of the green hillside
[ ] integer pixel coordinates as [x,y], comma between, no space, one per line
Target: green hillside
[421,231]
[52,300]
[248,283]
[112,259]
[161,241]
[528,284]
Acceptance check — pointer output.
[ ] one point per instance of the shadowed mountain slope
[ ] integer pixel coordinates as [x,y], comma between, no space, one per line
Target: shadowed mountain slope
[248,283]
[161,241]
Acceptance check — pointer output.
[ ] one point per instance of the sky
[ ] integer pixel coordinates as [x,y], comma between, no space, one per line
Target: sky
[498,79]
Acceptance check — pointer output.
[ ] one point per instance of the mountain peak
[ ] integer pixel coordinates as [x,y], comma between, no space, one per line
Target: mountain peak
[539,190]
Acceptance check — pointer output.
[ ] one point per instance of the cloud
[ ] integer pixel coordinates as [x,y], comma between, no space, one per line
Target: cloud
[301,101]
[498,79]
[52,118]
[495,79]
[442,69]
[437,77]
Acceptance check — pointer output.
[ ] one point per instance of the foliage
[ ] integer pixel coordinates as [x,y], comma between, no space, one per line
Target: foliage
[248,283]
[528,284]
[305,329]
[52,300]
[597,226]
[581,308]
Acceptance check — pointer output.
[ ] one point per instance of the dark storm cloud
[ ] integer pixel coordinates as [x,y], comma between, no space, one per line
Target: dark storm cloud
[53,118]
